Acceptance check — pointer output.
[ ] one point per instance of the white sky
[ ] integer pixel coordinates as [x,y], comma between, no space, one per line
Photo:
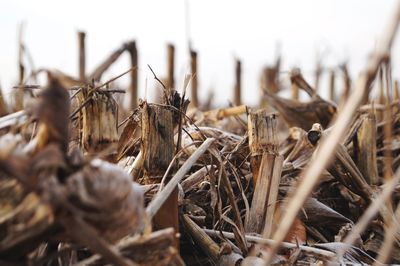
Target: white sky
[220,30]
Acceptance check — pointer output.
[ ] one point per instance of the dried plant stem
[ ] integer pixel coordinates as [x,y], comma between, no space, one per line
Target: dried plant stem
[3,104]
[160,198]
[101,68]
[99,120]
[208,245]
[143,247]
[18,94]
[21,66]
[294,91]
[196,178]
[269,242]
[170,84]
[89,237]
[366,149]
[297,78]
[237,99]
[346,89]
[158,131]
[271,75]
[136,166]
[318,73]
[237,217]
[327,149]
[204,241]
[265,195]
[82,56]
[194,82]
[262,138]
[12,119]
[332,92]
[390,220]
[221,113]
[259,203]
[269,81]
[387,128]
[390,237]
[371,211]
[272,196]
[266,166]
[132,94]
[396,90]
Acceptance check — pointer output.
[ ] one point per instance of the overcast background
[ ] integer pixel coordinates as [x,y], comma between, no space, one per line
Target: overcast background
[340,30]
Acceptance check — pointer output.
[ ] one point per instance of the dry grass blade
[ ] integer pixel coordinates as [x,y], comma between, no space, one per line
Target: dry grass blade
[328,145]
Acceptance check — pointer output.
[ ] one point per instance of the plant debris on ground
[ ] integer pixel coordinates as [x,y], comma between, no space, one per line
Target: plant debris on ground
[92,175]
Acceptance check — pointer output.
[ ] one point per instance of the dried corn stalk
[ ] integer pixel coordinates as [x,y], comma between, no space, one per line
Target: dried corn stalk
[99,120]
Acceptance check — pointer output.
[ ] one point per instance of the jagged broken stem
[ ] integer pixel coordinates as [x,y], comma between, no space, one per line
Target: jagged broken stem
[77,110]
[317,166]
[160,198]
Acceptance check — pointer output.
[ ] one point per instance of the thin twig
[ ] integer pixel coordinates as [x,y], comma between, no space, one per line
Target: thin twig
[162,84]
[114,78]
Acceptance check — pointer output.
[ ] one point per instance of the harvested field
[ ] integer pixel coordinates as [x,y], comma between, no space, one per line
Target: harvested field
[92,175]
